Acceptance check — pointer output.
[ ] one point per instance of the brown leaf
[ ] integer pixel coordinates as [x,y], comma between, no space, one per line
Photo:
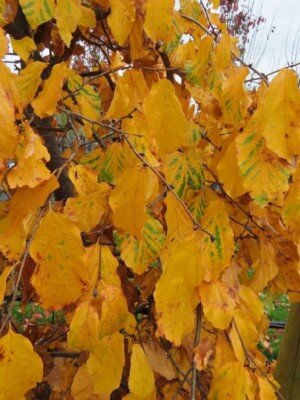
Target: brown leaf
[158,359]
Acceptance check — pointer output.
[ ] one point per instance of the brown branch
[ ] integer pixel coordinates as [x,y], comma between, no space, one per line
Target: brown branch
[138,155]
[170,188]
[191,19]
[230,198]
[64,354]
[196,342]
[250,66]
[251,360]
[179,371]
[24,258]
[208,19]
[66,188]
[247,228]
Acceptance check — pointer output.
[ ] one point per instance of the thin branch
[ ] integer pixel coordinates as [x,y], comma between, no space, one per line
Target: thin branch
[191,19]
[176,394]
[250,66]
[180,372]
[196,342]
[208,19]
[169,187]
[251,360]
[230,198]
[24,258]
[247,228]
[64,354]
[142,159]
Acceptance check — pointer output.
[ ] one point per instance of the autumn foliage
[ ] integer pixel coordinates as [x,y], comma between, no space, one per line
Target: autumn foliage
[151,193]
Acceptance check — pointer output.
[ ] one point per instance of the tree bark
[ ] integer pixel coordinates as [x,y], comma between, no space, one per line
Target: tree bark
[66,188]
[287,371]
[18,29]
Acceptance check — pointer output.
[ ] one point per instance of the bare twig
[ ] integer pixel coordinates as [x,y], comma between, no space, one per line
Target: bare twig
[191,19]
[24,258]
[169,187]
[142,159]
[196,342]
[251,360]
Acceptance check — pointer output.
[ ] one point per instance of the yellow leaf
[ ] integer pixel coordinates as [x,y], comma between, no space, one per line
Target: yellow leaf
[175,292]
[228,172]
[31,169]
[37,12]
[27,83]
[3,277]
[129,198]
[136,39]
[137,127]
[223,352]
[117,159]
[237,344]
[139,254]
[114,310]
[263,173]
[8,11]
[141,378]
[121,19]
[291,203]
[266,391]
[87,18]
[129,94]
[223,50]
[45,104]
[159,20]
[184,171]
[20,367]
[8,129]
[87,210]
[250,303]
[82,386]
[197,205]
[132,396]
[234,97]
[23,47]
[87,98]
[105,364]
[62,265]
[216,254]
[218,304]
[108,267]
[165,117]
[279,115]
[103,3]
[215,3]
[67,15]
[246,329]
[16,225]
[232,381]
[84,327]
[265,268]
[3,42]
[197,67]
[178,222]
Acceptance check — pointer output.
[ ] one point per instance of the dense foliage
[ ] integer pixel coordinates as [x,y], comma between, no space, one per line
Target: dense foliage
[151,196]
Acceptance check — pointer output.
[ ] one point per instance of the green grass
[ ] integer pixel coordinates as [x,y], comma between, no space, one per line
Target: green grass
[34,314]
[277,308]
